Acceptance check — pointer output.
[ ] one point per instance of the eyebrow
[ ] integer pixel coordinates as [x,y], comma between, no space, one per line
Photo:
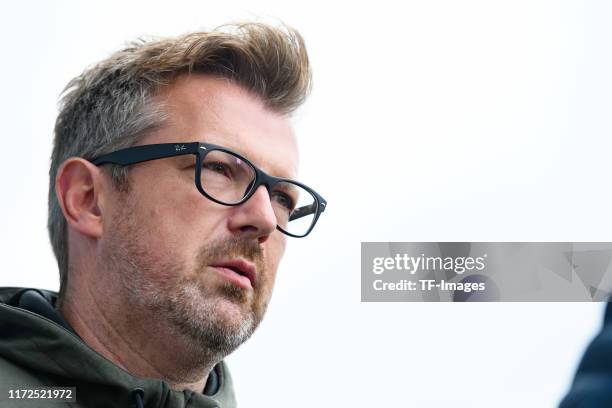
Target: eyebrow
[288,188]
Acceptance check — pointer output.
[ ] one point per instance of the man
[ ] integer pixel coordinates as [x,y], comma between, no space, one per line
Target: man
[172,194]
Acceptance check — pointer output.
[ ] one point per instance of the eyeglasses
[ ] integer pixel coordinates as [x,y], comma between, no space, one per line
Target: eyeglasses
[227,178]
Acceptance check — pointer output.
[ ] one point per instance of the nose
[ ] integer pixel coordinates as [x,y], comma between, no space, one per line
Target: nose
[254,218]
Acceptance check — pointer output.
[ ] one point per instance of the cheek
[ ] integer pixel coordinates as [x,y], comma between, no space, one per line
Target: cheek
[176,219]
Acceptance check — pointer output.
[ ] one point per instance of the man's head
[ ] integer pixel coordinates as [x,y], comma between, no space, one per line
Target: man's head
[148,239]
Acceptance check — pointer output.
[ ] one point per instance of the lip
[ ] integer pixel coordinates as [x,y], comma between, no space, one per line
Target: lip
[240,269]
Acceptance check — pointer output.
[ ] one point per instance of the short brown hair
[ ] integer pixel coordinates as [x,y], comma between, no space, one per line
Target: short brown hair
[110,105]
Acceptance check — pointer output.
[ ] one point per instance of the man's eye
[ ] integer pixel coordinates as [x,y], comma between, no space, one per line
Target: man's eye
[218,167]
[283,200]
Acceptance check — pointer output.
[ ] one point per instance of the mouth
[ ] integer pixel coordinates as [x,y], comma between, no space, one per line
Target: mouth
[241,272]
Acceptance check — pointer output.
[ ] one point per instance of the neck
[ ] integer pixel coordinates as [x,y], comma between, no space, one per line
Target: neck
[136,340]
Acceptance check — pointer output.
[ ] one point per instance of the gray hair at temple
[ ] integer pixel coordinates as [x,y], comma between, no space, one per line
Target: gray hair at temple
[111,105]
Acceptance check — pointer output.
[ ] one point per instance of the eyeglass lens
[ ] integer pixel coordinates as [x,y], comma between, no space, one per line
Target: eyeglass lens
[227,178]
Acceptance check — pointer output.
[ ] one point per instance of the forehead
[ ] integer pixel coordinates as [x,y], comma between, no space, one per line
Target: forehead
[214,110]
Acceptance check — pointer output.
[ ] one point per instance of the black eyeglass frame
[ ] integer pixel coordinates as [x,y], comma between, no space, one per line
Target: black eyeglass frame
[143,153]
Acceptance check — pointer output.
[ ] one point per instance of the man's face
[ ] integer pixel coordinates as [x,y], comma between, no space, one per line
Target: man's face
[169,247]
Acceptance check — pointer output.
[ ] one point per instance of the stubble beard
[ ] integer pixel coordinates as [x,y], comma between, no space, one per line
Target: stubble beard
[212,321]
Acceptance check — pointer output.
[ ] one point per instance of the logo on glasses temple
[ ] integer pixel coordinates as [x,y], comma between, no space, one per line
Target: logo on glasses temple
[178,148]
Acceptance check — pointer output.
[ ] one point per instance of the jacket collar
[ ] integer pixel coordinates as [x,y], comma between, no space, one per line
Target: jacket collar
[36,337]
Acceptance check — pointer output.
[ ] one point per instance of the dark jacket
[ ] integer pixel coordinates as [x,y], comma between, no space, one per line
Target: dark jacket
[39,349]
[592,385]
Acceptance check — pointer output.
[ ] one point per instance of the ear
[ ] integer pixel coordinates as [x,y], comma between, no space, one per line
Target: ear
[79,189]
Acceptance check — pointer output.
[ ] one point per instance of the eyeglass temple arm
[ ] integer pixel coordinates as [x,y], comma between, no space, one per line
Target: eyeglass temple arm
[305,210]
[138,154]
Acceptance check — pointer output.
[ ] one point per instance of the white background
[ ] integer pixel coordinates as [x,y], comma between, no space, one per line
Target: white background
[429,121]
